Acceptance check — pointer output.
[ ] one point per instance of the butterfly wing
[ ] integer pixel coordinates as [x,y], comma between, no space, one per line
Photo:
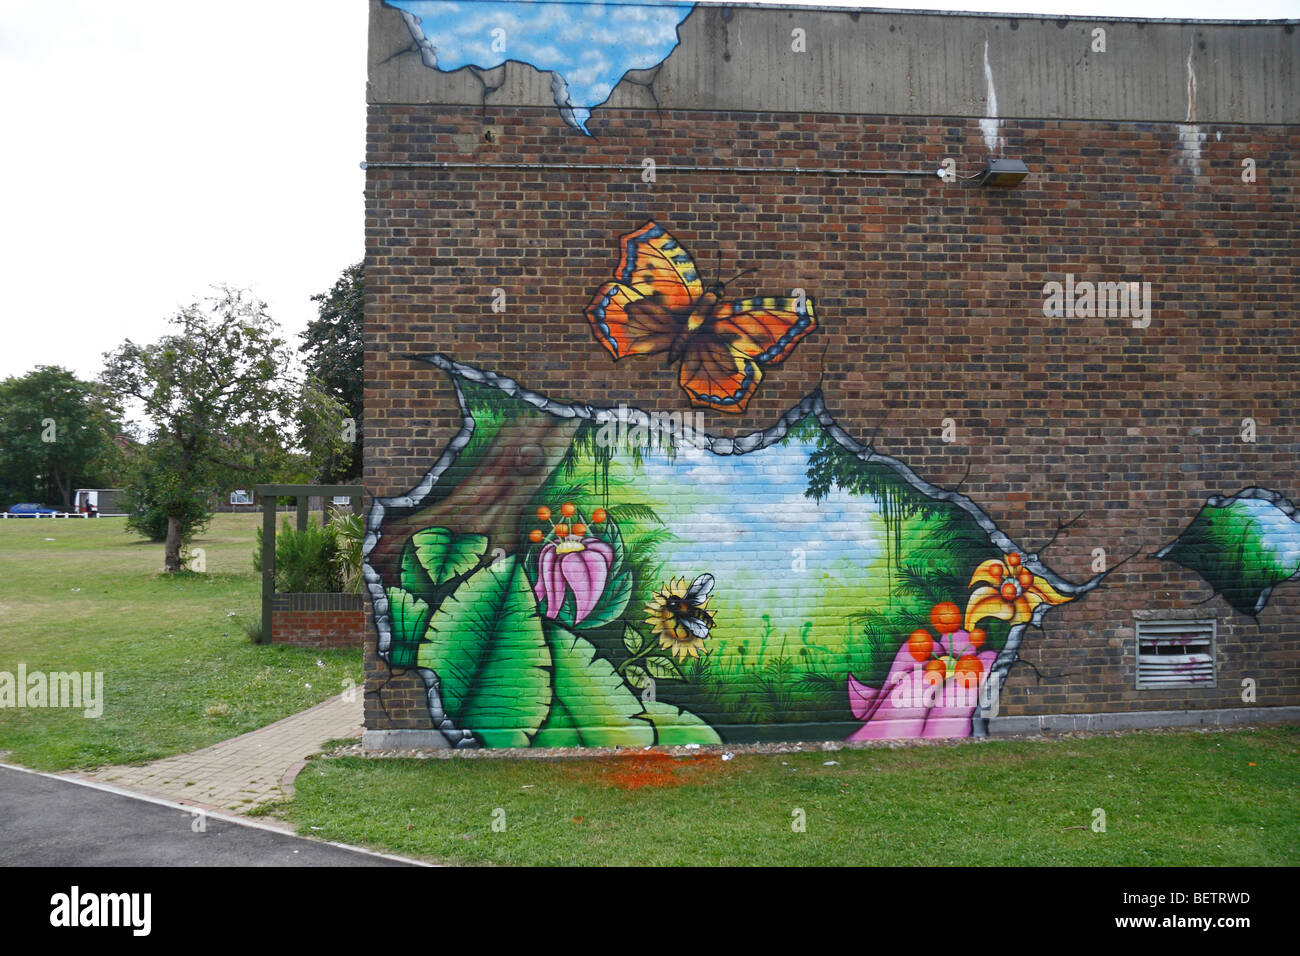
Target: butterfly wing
[653,261]
[718,376]
[766,329]
[638,314]
[629,323]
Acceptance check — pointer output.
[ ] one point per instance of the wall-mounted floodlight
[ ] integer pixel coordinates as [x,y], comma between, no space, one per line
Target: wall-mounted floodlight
[1002,173]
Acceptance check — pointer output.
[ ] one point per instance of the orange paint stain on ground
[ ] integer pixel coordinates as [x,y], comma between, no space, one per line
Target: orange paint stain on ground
[636,771]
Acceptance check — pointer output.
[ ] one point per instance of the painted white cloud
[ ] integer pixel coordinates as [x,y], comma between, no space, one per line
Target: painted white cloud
[588,45]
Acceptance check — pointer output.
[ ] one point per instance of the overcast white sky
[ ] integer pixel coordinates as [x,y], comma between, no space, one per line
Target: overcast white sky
[150,149]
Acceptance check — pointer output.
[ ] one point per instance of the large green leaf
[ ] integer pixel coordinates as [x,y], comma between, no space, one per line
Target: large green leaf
[594,707]
[408,617]
[487,647]
[434,555]
[675,727]
[559,730]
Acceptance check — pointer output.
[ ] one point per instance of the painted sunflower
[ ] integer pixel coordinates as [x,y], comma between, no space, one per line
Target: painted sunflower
[677,615]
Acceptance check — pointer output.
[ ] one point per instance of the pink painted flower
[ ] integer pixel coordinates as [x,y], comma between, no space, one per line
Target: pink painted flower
[934,698]
[572,564]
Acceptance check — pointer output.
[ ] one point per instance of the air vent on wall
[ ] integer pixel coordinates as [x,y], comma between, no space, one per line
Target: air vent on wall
[1175,653]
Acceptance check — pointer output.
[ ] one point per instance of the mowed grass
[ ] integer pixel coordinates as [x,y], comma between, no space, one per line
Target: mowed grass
[179,672]
[1170,799]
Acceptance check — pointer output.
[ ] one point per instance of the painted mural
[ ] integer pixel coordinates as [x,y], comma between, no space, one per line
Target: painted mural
[570,575]
[585,47]
[1243,545]
[659,305]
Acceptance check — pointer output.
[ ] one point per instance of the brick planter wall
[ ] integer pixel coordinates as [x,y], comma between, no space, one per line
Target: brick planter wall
[318,620]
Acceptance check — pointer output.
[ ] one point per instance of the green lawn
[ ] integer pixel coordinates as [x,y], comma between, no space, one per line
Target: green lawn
[179,672]
[1170,799]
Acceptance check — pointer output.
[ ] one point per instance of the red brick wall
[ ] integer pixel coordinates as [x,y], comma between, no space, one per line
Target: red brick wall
[317,620]
[930,300]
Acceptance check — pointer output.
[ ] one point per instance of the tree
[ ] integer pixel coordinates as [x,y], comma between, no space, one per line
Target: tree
[57,434]
[335,351]
[223,403]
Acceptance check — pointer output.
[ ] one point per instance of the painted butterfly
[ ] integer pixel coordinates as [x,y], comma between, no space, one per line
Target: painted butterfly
[659,304]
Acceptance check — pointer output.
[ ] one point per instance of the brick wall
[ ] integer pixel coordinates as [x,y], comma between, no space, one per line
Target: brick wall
[930,300]
[318,620]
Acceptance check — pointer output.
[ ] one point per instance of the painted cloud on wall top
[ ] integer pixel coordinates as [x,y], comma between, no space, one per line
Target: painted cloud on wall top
[586,47]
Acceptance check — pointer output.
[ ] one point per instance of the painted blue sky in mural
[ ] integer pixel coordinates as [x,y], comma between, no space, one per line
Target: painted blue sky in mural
[586,47]
[754,505]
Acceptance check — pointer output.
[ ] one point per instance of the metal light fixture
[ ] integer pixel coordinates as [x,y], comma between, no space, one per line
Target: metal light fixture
[1002,173]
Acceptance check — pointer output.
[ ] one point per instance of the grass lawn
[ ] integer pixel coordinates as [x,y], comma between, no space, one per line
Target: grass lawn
[1170,799]
[179,672]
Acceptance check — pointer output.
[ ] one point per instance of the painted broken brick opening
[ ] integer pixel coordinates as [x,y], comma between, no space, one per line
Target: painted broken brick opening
[688,430]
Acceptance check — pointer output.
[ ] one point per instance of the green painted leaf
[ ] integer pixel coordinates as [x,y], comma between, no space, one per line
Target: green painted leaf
[487,647]
[558,731]
[632,640]
[408,617]
[433,555]
[675,727]
[595,704]
[663,667]
[637,676]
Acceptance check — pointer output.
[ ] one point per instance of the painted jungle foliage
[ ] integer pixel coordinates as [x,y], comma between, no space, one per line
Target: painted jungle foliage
[1243,546]
[576,576]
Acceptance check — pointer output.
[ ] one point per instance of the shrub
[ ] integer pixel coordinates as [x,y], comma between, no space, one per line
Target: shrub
[349,534]
[307,561]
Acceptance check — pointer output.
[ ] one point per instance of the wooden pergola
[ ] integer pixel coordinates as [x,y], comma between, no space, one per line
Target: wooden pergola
[302,495]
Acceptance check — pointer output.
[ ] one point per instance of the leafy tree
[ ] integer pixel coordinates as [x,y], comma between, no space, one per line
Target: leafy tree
[335,350]
[223,403]
[57,434]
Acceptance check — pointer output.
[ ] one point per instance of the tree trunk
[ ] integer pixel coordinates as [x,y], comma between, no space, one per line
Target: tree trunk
[65,489]
[489,500]
[172,558]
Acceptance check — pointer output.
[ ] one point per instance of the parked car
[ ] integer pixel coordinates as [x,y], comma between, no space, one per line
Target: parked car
[29,510]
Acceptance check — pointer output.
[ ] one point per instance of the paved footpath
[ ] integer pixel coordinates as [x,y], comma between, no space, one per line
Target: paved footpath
[51,820]
[243,772]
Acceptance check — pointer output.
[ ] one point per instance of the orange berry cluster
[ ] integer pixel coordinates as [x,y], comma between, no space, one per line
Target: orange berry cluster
[946,618]
[563,529]
[1008,590]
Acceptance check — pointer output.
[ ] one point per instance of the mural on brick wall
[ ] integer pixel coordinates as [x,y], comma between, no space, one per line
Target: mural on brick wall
[1243,546]
[585,47]
[571,575]
[659,305]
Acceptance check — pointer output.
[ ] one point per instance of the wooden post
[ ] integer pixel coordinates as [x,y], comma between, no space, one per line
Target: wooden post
[268,564]
[302,501]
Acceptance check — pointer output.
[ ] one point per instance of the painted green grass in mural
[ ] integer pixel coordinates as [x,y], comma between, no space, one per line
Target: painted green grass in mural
[1170,799]
[179,672]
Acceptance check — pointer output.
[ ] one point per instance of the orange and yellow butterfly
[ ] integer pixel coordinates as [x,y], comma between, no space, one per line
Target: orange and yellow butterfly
[659,304]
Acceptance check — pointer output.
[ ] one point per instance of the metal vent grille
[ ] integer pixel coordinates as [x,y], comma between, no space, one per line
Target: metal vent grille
[1175,654]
